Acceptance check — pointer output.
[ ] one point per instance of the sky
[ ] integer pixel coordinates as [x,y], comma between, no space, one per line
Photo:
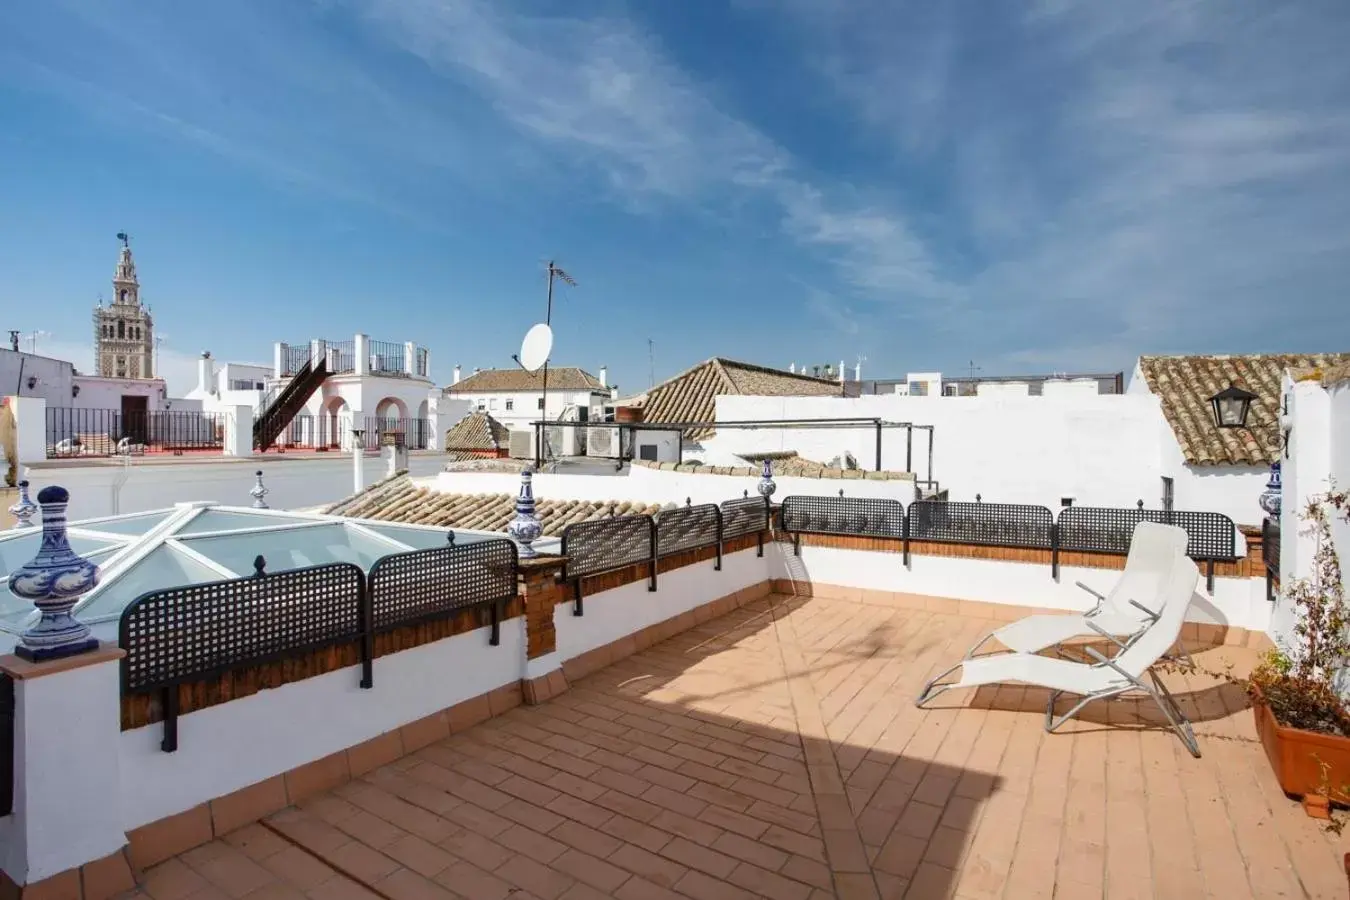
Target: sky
[1036,186]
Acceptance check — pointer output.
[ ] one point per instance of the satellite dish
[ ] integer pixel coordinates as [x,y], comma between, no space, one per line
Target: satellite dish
[536,347]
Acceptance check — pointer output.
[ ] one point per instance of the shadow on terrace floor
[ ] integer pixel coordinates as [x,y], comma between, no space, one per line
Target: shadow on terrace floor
[776,752]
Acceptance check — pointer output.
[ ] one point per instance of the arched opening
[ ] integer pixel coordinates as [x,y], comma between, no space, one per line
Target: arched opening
[419,430]
[390,410]
[121,329]
[122,296]
[335,423]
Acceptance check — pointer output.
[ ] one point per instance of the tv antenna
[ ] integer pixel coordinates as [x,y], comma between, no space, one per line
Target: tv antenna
[651,364]
[974,368]
[534,356]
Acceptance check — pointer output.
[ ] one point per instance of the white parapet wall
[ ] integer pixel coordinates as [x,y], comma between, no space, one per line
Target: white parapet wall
[1235,602]
[659,486]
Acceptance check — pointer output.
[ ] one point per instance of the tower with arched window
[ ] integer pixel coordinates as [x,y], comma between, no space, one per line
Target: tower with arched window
[124,334]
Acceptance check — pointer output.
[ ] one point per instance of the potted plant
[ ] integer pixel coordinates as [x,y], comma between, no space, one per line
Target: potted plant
[1303,722]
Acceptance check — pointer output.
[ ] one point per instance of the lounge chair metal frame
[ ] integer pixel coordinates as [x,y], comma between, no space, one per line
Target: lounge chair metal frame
[1157,691]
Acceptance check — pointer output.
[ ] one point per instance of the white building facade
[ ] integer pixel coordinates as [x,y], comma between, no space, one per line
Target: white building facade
[516,398]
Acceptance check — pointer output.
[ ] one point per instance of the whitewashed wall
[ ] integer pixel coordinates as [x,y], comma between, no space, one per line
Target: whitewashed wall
[54,377]
[641,484]
[1100,450]
[1239,602]
[230,746]
[613,614]
[525,404]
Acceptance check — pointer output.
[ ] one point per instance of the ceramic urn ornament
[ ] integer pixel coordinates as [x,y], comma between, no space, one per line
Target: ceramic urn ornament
[54,580]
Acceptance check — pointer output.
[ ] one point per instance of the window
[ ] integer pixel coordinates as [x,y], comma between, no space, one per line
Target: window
[918,389]
[949,390]
[541,403]
[510,405]
[583,414]
[1167,498]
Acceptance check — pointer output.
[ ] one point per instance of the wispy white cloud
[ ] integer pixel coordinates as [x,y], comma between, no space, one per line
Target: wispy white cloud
[1126,177]
[604,93]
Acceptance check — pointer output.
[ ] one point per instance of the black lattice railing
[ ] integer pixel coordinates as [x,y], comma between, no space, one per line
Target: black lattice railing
[1212,536]
[749,515]
[864,516]
[990,524]
[189,633]
[603,545]
[1270,554]
[688,528]
[407,588]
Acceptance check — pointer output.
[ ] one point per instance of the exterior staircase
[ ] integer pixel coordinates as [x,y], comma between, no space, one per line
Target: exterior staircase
[280,406]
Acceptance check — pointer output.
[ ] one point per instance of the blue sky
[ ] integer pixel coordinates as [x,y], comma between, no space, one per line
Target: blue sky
[1050,185]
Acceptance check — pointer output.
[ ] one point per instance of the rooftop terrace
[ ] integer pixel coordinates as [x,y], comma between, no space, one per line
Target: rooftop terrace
[710,700]
[775,752]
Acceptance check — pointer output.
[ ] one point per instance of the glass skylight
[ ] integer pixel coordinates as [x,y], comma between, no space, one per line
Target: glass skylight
[293,548]
[163,567]
[209,520]
[131,526]
[197,543]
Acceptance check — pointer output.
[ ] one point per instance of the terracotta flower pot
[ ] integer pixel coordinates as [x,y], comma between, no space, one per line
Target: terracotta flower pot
[1297,757]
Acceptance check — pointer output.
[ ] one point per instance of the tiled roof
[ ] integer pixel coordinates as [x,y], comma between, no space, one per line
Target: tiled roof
[1184,385]
[690,396]
[794,467]
[565,378]
[477,431]
[399,500]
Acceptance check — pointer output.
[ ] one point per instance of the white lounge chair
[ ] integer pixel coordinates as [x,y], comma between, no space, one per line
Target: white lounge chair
[1124,612]
[1123,673]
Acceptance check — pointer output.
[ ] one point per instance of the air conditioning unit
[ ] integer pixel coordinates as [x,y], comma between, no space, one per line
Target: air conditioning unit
[603,442]
[564,440]
[522,445]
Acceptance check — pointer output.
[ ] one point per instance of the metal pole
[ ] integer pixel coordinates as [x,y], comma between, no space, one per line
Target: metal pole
[930,457]
[358,453]
[878,445]
[909,448]
[548,320]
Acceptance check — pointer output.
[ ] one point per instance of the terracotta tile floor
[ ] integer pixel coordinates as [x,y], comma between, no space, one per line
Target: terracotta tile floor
[700,770]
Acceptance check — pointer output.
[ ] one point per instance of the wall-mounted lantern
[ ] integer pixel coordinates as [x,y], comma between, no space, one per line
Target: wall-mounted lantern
[1231,406]
[74,390]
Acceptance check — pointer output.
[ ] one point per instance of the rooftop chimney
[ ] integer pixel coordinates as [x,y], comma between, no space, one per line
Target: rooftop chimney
[857,371]
[792,367]
[456,375]
[205,375]
[843,373]
[604,375]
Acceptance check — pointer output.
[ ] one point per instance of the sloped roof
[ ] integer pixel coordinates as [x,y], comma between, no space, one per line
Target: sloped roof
[564,378]
[690,396]
[1184,385]
[477,431]
[399,500]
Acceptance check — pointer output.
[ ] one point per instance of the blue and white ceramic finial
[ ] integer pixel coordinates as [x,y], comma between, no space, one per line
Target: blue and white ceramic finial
[259,492]
[24,508]
[53,580]
[1271,497]
[525,527]
[766,484]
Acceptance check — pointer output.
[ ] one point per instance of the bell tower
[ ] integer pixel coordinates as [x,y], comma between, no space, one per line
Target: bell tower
[124,338]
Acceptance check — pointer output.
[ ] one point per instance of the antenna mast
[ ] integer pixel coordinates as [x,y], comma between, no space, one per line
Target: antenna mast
[651,364]
[553,272]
